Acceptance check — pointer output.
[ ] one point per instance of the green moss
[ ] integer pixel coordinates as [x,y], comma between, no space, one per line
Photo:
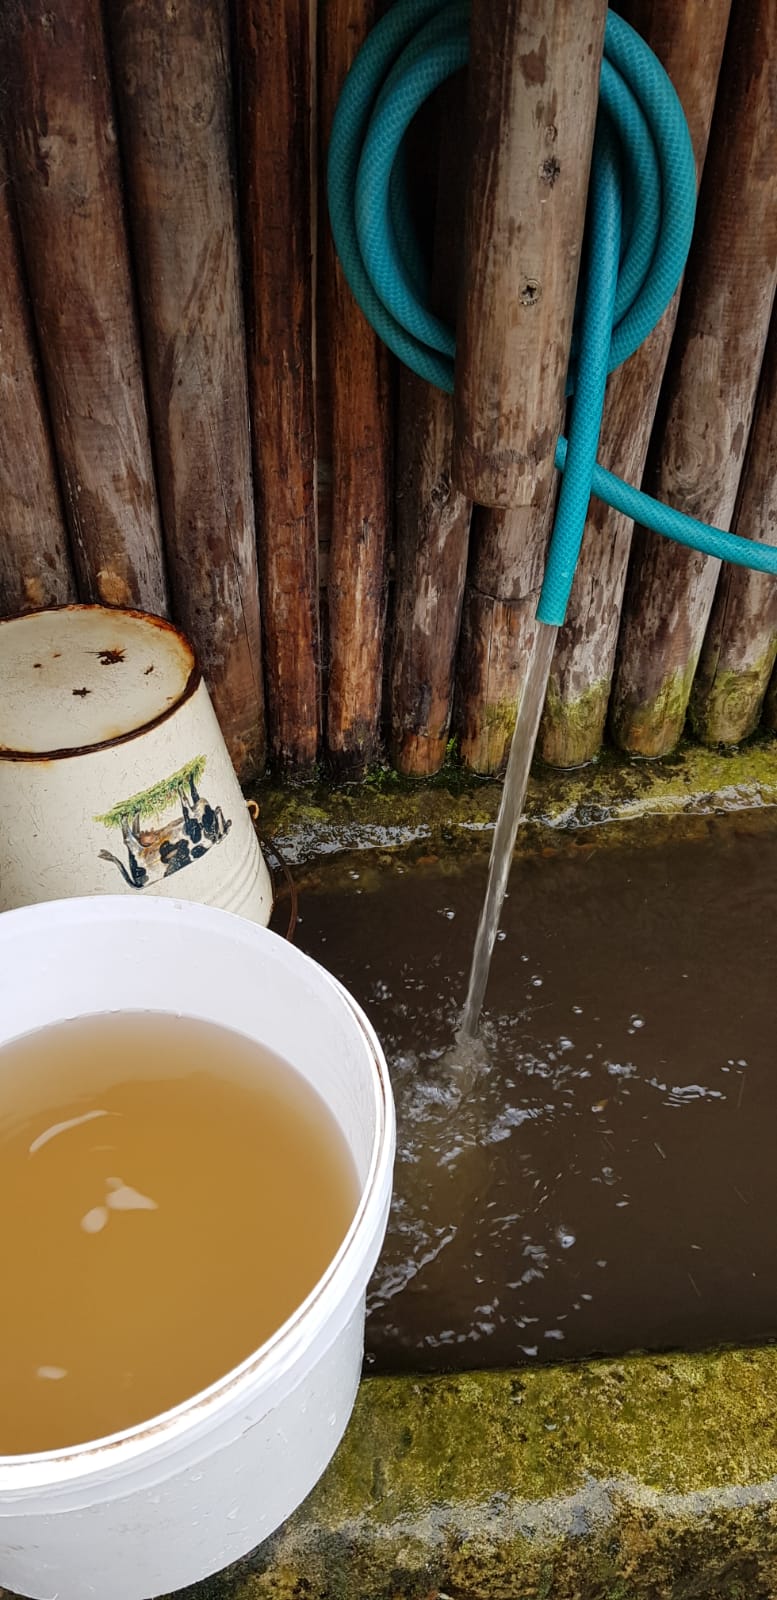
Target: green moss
[488,753]
[628,1480]
[654,728]
[572,730]
[455,810]
[725,707]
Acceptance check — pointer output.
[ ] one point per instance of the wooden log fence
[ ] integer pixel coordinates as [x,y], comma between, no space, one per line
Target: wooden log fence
[35,566]
[689,40]
[64,161]
[276,55]
[432,516]
[175,329]
[741,641]
[709,392]
[174,94]
[359,452]
[514,329]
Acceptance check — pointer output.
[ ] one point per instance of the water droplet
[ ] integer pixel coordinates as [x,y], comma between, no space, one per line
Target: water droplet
[52,1372]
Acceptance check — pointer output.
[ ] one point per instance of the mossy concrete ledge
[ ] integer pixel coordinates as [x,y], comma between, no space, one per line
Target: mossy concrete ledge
[652,1478]
[388,811]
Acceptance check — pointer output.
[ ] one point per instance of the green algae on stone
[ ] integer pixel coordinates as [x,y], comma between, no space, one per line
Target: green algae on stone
[653,1478]
[572,731]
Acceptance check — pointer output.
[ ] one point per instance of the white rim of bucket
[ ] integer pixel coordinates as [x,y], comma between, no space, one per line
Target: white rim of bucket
[279,1354]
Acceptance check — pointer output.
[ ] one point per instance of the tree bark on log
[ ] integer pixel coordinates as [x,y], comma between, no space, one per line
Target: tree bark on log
[533,93]
[709,394]
[275,59]
[433,522]
[533,89]
[360,455]
[740,645]
[65,165]
[432,517]
[35,567]
[499,627]
[173,89]
[688,40]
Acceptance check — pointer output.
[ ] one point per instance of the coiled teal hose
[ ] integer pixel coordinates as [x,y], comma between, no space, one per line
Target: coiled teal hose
[641,209]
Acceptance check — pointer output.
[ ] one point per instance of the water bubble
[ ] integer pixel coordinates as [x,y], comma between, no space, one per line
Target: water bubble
[565,1238]
[536,981]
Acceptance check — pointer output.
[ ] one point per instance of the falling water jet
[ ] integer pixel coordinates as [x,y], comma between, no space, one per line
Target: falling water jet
[510,813]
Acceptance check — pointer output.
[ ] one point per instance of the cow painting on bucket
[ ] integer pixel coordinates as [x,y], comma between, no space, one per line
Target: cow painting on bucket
[153,853]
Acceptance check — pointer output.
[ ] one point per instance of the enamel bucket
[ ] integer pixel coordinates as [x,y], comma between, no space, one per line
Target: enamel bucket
[169,1502]
[114,774]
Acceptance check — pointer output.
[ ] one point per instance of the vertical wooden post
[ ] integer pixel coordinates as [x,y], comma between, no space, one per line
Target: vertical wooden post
[35,565]
[173,91]
[689,41]
[360,454]
[432,530]
[533,88]
[740,645]
[275,62]
[432,517]
[533,92]
[709,393]
[64,159]
[498,627]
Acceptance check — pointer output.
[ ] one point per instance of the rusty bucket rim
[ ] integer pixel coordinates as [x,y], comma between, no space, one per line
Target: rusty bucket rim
[66,752]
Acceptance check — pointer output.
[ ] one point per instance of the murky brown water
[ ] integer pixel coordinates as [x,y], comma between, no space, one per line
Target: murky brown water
[610,1183]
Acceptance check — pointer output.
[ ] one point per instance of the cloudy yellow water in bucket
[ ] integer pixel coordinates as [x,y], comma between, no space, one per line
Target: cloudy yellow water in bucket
[114,775]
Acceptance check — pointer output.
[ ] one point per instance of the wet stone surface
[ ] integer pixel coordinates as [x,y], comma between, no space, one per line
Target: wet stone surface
[606,1181]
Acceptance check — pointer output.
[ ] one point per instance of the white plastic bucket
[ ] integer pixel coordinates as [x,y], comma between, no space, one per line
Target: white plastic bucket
[164,1504]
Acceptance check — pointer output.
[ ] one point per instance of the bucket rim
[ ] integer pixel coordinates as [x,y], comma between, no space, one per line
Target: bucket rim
[275,1362]
[66,752]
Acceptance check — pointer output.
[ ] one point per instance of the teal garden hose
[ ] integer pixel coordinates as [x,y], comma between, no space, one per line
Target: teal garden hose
[640,219]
